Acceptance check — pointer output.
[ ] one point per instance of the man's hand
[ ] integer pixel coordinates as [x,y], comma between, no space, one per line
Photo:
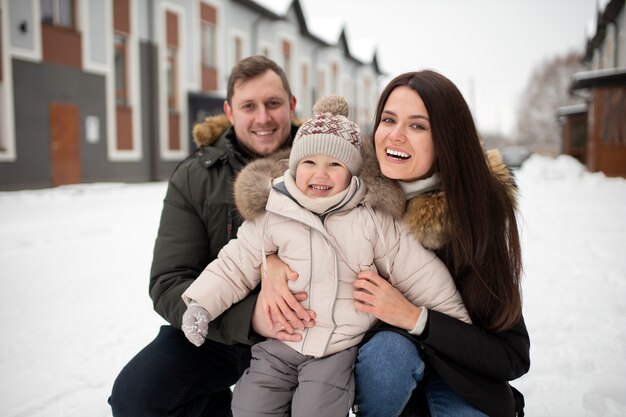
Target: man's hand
[196,323]
[279,306]
[271,330]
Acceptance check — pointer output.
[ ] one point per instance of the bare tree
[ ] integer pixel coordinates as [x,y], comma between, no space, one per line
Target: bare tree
[547,90]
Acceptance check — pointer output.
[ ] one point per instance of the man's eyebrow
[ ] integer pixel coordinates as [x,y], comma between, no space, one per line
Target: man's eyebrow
[252,100]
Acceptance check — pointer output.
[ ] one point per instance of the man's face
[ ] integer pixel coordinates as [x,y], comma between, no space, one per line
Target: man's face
[261,111]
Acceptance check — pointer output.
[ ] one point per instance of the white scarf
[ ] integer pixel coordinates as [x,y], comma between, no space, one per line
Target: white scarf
[319,205]
[418,187]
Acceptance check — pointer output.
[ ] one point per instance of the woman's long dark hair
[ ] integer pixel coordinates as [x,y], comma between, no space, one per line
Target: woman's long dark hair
[484,254]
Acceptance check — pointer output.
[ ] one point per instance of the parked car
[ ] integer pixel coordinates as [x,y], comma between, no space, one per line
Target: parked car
[514,156]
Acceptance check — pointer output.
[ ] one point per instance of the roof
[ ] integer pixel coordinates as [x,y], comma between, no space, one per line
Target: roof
[572,109]
[599,78]
[606,16]
[273,11]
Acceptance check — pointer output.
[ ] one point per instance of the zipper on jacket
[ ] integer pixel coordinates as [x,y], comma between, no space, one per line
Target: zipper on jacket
[308,299]
[229,224]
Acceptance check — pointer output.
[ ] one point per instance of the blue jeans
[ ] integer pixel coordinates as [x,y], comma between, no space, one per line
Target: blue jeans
[389,367]
[172,377]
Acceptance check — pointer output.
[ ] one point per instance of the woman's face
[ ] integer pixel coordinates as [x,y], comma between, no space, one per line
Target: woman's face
[404,142]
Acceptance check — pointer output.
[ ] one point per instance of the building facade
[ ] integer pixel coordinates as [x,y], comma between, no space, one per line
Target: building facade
[596,132]
[108,90]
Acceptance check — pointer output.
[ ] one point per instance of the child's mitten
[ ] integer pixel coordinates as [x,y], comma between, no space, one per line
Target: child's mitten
[196,323]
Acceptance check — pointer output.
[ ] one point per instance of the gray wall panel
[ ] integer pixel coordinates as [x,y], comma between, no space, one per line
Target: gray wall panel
[36,85]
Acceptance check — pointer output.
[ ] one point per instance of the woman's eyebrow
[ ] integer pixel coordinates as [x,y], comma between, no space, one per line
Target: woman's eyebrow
[414,116]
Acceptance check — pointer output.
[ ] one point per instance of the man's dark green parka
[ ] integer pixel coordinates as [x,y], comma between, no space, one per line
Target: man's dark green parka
[199,217]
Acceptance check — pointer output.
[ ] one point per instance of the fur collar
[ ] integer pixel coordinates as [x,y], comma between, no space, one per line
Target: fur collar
[426,216]
[207,132]
[253,185]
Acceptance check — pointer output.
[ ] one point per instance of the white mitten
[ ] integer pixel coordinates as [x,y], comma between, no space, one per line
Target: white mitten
[196,323]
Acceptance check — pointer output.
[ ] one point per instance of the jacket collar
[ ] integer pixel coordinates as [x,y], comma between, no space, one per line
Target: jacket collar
[252,186]
[426,216]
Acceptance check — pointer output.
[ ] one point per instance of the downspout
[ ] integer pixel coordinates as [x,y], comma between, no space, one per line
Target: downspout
[152,104]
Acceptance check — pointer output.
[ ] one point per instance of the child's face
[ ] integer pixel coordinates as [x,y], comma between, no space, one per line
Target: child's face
[321,176]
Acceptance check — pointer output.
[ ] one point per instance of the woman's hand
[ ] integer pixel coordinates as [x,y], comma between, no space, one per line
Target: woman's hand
[376,296]
[279,306]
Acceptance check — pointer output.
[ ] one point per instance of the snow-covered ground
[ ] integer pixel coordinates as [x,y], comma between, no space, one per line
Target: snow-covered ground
[74,306]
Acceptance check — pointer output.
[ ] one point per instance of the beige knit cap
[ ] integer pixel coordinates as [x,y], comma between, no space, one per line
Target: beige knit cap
[329,132]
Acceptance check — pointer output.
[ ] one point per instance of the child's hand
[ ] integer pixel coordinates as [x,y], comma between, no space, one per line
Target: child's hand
[196,323]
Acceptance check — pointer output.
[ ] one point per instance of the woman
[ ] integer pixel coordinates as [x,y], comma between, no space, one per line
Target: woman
[426,140]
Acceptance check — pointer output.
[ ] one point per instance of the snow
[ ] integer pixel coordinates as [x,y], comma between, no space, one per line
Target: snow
[74,264]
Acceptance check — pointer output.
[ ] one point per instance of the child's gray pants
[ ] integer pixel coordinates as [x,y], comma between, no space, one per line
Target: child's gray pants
[282,382]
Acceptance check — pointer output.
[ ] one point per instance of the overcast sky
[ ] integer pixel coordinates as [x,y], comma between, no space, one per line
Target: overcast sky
[487,47]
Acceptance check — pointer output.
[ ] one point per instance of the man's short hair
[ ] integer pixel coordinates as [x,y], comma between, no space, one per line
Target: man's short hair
[252,67]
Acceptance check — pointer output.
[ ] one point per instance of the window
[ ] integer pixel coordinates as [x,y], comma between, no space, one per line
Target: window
[173,105]
[208,19]
[306,90]
[171,74]
[579,134]
[58,12]
[334,78]
[321,82]
[287,59]
[3,147]
[121,65]
[238,49]
[209,45]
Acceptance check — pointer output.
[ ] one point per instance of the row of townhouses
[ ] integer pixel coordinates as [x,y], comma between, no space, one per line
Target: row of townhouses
[108,90]
[595,131]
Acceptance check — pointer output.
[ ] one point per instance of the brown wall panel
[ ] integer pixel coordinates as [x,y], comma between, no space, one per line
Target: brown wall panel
[209,79]
[208,13]
[172,28]
[124,128]
[61,45]
[174,132]
[121,15]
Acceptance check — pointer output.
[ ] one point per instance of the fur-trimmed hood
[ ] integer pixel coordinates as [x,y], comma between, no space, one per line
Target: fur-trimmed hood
[426,215]
[208,131]
[253,185]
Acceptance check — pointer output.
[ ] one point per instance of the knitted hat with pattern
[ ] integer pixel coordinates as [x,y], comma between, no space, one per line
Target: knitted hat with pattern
[329,132]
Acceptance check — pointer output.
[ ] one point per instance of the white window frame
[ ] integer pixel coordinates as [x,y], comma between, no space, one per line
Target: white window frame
[245,42]
[34,22]
[133,93]
[304,92]
[165,153]
[263,44]
[7,115]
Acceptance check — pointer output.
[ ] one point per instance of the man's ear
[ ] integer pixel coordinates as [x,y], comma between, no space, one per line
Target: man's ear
[228,111]
[292,105]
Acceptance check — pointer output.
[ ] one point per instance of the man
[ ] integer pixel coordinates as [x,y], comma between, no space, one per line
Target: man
[171,376]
